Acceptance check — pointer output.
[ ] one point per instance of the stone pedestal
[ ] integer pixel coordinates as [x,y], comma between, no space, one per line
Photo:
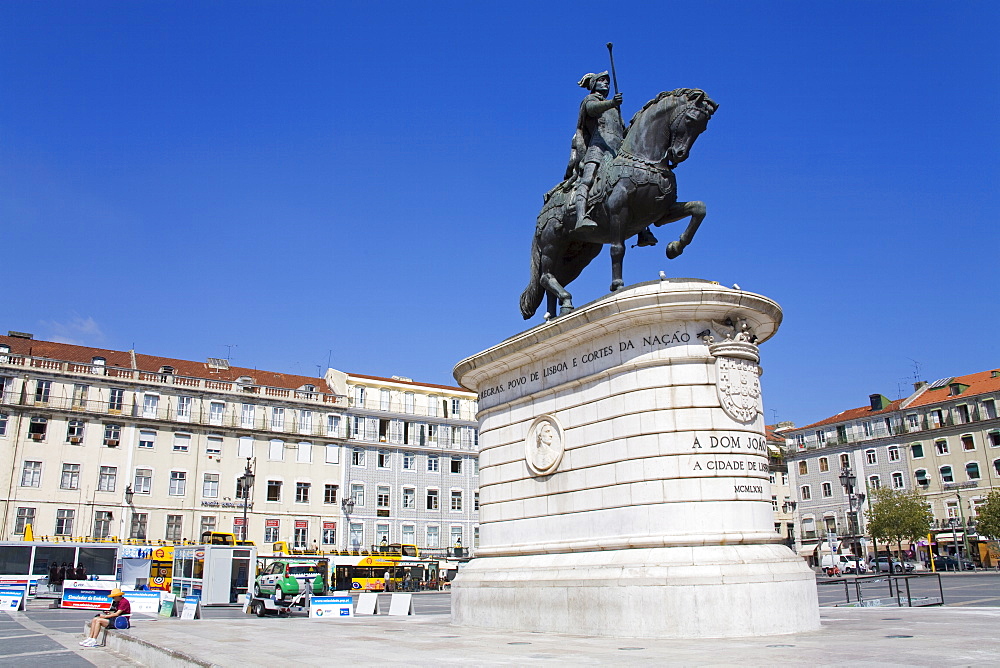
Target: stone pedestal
[624,479]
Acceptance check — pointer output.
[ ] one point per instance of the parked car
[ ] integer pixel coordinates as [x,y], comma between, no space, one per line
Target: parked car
[287,578]
[882,565]
[952,564]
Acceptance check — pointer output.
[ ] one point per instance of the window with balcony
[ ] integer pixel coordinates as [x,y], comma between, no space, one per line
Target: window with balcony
[333,425]
[989,409]
[277,419]
[116,400]
[247,414]
[216,412]
[305,422]
[184,409]
[42,390]
[150,405]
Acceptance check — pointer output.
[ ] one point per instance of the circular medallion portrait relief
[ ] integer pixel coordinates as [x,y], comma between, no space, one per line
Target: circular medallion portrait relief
[544,447]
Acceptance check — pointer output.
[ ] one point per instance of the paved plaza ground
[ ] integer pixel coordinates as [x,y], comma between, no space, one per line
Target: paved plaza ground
[961,633]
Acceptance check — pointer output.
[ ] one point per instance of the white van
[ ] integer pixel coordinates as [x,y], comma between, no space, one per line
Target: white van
[847,563]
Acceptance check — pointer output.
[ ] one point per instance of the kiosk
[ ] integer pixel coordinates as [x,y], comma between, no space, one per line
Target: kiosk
[219,574]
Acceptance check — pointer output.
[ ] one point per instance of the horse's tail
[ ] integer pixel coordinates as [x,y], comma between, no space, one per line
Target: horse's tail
[532,295]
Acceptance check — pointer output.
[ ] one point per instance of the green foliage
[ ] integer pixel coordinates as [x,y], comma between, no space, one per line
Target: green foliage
[897,515]
[988,522]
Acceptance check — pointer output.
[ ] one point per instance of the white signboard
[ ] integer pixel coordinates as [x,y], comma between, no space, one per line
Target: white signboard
[146,602]
[331,607]
[367,604]
[192,605]
[11,598]
[401,604]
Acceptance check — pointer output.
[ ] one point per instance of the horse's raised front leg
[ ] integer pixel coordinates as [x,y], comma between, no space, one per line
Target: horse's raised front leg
[696,210]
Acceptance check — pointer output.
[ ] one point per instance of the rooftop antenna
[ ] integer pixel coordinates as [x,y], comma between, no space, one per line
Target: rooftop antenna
[774,416]
[229,351]
[916,369]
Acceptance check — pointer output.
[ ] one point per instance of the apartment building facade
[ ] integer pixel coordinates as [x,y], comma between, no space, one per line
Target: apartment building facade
[103,443]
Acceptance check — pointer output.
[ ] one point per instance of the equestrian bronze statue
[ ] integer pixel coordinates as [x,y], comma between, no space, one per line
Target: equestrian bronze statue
[615,187]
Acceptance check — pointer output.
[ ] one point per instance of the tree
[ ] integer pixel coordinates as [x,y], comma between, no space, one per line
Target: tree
[896,515]
[988,521]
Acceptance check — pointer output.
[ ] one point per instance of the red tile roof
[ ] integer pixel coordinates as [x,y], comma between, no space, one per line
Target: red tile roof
[68,352]
[851,414]
[978,383]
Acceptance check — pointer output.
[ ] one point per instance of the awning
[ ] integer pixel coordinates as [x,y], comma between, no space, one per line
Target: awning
[807,550]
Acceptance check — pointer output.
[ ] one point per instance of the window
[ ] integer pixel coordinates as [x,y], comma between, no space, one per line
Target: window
[31,474]
[276,450]
[330,493]
[302,492]
[143,481]
[300,537]
[184,409]
[272,528]
[804,493]
[382,497]
[432,499]
[210,486]
[456,500]
[357,534]
[410,497]
[208,524]
[475,500]
[912,421]
[64,522]
[871,457]
[303,455]
[247,416]
[946,474]
[432,463]
[24,516]
[329,533]
[332,453]
[409,534]
[178,483]
[996,466]
[147,439]
[456,535]
[968,443]
[3,421]
[803,467]
[137,530]
[432,406]
[216,412]
[994,438]
[867,428]
[893,453]
[456,464]
[409,461]
[382,533]
[42,388]
[456,407]
[278,419]
[359,395]
[37,428]
[213,446]
[921,477]
[74,431]
[70,476]
[963,414]
[821,437]
[116,400]
[824,464]
[972,470]
[242,489]
[175,524]
[941,447]
[874,482]
[274,490]
[383,459]
[305,422]
[827,489]
[897,480]
[358,457]
[102,524]
[358,494]
[182,442]
[150,404]
[917,450]
[108,479]
[433,538]
[244,448]
[845,461]
[408,402]
[475,466]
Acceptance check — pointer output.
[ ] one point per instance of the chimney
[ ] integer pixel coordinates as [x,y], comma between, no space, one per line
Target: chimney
[919,385]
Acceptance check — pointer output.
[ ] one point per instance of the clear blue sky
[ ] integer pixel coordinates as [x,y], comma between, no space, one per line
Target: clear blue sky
[295,178]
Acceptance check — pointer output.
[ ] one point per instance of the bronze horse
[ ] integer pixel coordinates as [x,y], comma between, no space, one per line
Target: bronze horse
[635,189]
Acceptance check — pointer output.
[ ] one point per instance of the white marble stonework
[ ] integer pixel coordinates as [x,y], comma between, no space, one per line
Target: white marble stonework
[624,484]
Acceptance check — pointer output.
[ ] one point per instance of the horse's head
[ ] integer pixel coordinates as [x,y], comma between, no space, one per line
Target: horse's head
[677,118]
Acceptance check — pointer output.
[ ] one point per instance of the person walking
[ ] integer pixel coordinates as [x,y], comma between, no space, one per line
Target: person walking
[118,615]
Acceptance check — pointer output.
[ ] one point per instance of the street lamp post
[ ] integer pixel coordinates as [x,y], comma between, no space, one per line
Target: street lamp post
[848,480]
[246,482]
[129,495]
[347,503]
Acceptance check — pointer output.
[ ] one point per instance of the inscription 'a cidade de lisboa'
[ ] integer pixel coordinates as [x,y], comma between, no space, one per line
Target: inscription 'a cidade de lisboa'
[588,356]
